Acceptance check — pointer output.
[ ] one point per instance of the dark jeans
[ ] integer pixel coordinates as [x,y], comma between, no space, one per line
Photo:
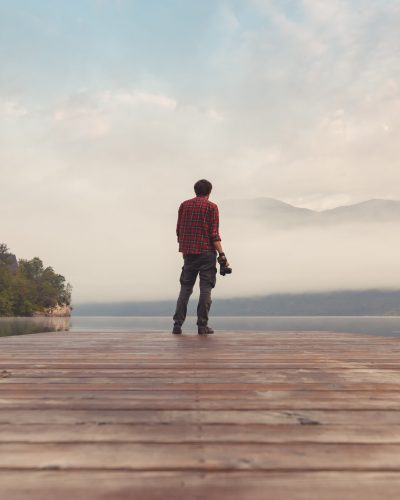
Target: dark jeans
[205,265]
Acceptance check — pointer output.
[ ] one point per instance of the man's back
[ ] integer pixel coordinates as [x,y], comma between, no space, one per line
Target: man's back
[198,226]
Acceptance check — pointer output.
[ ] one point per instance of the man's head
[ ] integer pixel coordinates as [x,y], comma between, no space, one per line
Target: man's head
[202,187]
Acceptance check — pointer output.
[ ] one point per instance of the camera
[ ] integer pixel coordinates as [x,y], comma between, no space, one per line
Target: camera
[223,268]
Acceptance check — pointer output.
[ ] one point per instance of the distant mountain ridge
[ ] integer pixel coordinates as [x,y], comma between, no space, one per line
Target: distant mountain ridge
[277,212]
[338,303]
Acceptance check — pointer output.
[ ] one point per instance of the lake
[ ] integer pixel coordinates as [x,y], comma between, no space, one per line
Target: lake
[373,325]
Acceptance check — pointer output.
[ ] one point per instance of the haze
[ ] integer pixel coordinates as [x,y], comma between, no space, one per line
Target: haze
[111,110]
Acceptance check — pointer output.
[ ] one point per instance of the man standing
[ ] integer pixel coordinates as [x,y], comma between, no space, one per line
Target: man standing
[199,240]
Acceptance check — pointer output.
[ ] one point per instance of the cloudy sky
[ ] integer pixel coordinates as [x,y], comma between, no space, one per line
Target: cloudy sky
[111,109]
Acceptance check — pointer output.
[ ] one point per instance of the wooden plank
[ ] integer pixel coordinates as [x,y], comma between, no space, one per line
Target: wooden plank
[270,364]
[183,433]
[351,375]
[133,385]
[241,417]
[200,456]
[274,402]
[243,485]
[88,392]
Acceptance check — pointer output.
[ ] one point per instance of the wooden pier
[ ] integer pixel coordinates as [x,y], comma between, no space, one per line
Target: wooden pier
[238,416]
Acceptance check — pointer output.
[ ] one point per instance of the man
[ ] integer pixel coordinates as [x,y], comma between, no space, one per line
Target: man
[199,240]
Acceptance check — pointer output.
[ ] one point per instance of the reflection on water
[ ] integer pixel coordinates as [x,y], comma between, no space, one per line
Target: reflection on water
[22,326]
[372,325]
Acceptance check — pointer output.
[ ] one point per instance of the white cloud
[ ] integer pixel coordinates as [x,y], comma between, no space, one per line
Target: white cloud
[320,85]
[228,18]
[215,115]
[12,108]
[82,122]
[118,98]
[98,114]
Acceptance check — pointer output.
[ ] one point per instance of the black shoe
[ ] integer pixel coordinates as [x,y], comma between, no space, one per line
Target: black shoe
[177,330]
[204,330]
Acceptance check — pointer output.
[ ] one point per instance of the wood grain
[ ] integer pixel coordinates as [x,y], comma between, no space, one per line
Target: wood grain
[277,415]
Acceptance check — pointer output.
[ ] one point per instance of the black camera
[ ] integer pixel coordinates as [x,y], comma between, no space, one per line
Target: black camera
[223,268]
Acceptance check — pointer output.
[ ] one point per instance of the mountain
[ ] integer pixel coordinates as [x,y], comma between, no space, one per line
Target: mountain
[339,303]
[374,210]
[278,213]
[267,210]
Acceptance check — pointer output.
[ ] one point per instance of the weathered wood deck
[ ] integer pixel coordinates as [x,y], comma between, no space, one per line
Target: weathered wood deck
[235,415]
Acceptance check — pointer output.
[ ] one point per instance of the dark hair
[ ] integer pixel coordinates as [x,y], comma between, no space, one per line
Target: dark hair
[202,187]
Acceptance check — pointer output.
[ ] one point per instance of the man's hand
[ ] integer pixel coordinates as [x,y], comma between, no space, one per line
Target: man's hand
[223,260]
[218,248]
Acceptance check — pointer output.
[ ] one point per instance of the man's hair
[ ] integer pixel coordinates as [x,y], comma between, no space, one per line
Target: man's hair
[202,187]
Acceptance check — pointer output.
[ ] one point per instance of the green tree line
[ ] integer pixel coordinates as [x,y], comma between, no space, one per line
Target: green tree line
[30,287]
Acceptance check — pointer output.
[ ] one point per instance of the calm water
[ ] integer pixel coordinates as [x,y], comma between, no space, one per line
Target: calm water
[23,326]
[386,326]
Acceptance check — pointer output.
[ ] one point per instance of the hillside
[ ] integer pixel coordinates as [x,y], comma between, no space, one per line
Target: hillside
[277,213]
[339,303]
[27,288]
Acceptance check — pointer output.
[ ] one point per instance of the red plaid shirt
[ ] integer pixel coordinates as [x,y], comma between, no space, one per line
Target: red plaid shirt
[198,226]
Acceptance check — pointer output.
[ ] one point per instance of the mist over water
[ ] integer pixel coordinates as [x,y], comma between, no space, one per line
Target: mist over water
[311,259]
[269,253]
[115,257]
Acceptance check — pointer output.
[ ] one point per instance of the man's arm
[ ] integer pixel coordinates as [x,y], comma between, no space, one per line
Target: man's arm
[178,221]
[214,227]
[218,247]
[214,233]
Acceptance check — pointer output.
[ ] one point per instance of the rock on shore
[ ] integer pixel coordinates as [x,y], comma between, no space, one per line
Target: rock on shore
[60,310]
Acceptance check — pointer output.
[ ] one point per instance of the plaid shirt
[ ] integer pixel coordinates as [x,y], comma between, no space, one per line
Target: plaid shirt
[198,226]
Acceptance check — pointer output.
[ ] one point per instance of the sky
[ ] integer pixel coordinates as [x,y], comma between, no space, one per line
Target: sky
[110,110]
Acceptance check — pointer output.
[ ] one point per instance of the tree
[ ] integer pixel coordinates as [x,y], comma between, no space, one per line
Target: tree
[6,308]
[4,253]
[32,269]
[29,287]
[3,249]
